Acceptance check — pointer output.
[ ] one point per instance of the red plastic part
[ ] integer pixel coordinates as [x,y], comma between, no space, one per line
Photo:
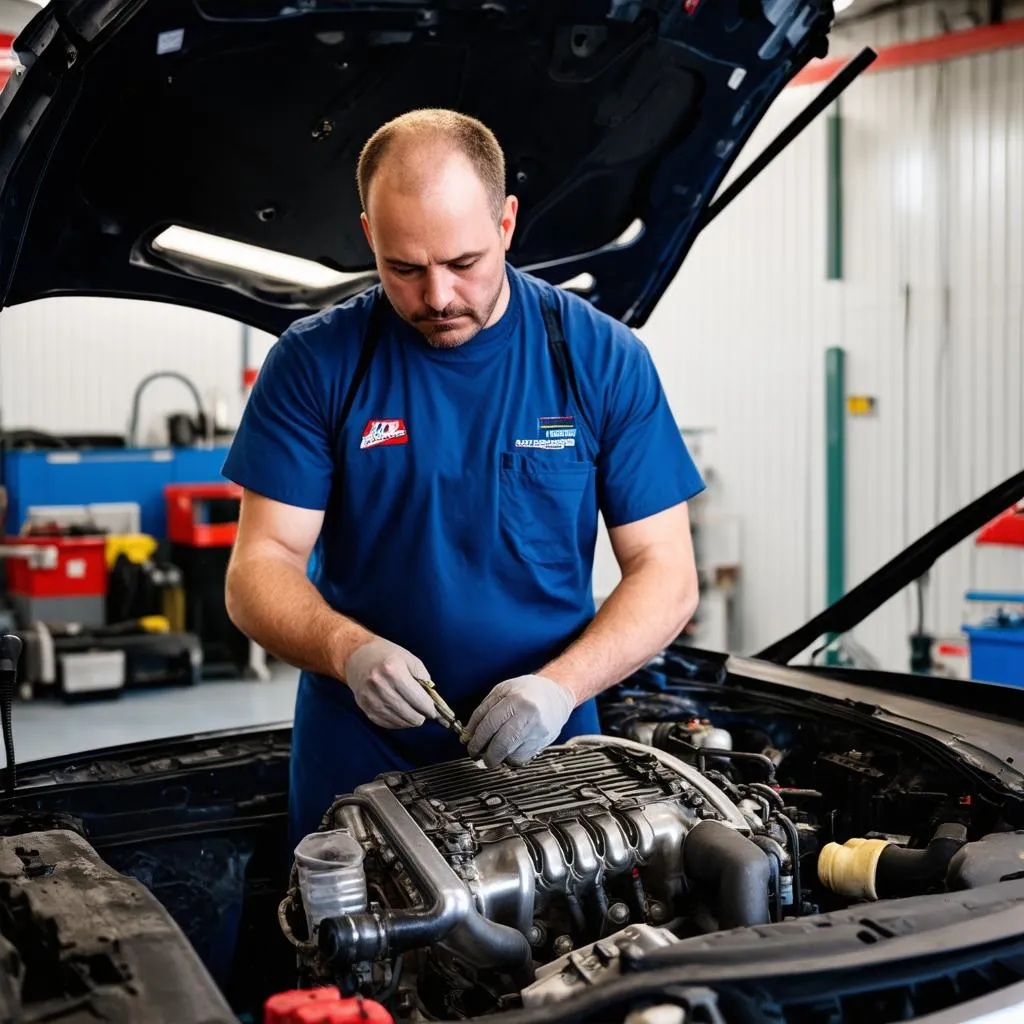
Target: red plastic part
[184,501]
[1007,529]
[279,1009]
[322,1006]
[342,1011]
[81,569]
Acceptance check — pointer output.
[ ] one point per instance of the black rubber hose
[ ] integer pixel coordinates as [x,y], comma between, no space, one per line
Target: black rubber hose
[771,848]
[902,872]
[10,652]
[736,871]
[794,853]
[768,793]
[703,753]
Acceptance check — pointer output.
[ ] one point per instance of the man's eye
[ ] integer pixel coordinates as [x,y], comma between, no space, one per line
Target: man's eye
[404,271]
[463,266]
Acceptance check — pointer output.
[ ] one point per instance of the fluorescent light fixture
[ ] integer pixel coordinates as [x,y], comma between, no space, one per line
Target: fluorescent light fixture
[630,235]
[580,283]
[225,252]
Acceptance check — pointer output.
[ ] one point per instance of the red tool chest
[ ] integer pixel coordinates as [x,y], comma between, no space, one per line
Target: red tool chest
[81,569]
[191,519]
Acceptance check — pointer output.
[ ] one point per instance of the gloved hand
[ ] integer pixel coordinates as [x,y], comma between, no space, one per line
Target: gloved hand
[382,677]
[518,719]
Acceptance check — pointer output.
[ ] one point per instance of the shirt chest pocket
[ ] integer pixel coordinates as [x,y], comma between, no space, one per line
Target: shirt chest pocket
[540,501]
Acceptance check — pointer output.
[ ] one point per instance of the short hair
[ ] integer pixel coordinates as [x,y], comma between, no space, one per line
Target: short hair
[465,134]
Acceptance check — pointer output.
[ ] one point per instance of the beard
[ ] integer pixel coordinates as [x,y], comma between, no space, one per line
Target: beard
[455,325]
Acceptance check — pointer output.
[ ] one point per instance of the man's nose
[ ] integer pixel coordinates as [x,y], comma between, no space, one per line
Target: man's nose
[438,289]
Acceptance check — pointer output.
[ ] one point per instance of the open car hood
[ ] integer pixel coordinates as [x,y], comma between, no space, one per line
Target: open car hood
[243,119]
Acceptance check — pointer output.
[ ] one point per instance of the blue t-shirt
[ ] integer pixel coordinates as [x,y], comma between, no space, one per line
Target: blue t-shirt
[461,496]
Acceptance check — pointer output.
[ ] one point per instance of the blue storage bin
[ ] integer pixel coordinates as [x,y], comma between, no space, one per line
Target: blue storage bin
[997,654]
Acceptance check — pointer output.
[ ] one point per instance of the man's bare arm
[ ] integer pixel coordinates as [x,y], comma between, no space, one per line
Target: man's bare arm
[270,598]
[653,601]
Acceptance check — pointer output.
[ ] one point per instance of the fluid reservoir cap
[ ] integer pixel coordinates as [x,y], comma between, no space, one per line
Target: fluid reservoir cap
[717,739]
[324,850]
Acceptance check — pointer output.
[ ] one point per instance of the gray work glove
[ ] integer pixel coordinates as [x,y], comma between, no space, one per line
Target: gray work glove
[382,677]
[518,719]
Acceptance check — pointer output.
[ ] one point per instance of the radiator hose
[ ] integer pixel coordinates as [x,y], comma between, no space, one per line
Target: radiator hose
[736,870]
[873,869]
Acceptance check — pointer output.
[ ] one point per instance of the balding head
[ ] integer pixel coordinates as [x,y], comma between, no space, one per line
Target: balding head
[410,145]
[438,221]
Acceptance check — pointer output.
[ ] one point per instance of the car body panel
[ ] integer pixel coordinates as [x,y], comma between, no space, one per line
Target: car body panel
[612,116]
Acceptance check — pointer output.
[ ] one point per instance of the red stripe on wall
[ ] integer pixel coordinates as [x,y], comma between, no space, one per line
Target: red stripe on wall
[925,51]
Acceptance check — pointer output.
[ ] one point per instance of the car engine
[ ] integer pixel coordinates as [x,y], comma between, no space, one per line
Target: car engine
[467,891]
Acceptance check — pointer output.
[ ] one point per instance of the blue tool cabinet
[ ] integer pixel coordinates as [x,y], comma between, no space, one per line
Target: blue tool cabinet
[69,477]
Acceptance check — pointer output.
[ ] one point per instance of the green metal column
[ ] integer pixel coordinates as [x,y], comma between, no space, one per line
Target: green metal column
[835,382]
[834,195]
[835,477]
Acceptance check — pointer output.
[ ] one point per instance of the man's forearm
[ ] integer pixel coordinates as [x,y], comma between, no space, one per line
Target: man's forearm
[642,615]
[274,603]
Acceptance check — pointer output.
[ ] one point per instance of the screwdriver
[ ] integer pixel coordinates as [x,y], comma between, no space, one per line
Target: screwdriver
[448,716]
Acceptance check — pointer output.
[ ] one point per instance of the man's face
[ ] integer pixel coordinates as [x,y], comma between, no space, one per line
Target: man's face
[440,249]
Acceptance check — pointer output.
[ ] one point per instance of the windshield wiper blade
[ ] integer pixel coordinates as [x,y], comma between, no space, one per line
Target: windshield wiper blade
[910,564]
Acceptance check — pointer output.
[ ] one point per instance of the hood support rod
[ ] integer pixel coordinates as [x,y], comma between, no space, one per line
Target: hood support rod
[899,572]
[821,102]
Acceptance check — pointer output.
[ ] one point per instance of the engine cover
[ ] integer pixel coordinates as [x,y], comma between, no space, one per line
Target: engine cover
[577,844]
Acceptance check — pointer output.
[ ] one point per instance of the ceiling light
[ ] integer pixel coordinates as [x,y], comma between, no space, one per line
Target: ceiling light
[582,284]
[630,235]
[267,263]
[841,5]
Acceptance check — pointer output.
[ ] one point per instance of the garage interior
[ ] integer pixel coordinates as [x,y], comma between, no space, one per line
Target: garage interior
[819,829]
[842,350]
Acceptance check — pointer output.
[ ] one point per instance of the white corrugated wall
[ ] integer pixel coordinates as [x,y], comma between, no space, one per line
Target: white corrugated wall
[930,312]
[71,364]
[934,204]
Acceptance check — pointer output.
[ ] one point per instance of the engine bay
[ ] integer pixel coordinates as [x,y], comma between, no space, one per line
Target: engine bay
[491,871]
[712,826]
[474,892]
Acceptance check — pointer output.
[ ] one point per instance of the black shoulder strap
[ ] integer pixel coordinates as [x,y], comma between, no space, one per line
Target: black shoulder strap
[371,338]
[562,358]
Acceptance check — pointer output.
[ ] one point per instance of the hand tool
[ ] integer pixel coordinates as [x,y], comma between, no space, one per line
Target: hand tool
[448,717]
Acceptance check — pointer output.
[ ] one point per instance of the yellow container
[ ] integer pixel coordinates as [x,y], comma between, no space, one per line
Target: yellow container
[136,547]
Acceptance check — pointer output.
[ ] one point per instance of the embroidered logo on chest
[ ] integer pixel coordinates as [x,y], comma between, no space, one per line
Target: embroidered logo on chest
[380,432]
[552,432]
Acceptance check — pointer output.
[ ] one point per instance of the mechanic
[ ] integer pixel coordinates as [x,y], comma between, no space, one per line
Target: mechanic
[443,443]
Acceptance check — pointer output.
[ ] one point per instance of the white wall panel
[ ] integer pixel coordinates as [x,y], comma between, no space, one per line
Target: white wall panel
[930,313]
[71,364]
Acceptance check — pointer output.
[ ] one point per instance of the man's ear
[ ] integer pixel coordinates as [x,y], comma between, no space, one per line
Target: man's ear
[366,229]
[508,220]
